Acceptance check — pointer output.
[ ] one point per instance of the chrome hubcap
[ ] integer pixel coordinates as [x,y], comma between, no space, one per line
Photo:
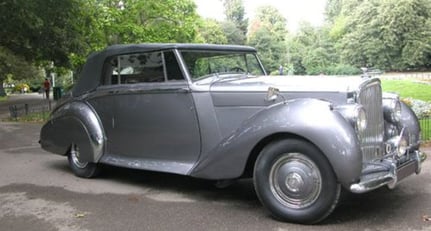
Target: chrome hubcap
[295,180]
[74,153]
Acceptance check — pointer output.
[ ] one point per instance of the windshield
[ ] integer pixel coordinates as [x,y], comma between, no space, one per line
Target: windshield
[203,64]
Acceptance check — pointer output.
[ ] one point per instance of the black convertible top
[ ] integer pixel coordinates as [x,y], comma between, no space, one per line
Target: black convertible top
[90,75]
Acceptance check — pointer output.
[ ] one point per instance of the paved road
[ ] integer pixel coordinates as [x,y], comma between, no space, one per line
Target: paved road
[38,192]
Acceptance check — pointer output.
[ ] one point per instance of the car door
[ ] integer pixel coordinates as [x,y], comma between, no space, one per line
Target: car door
[147,110]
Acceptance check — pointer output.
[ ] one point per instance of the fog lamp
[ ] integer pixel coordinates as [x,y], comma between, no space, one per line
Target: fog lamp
[402,146]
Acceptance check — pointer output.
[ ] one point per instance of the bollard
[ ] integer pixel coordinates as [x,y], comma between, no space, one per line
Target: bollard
[13,111]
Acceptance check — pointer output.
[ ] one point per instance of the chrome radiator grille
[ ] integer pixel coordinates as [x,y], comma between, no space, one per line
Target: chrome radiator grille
[370,96]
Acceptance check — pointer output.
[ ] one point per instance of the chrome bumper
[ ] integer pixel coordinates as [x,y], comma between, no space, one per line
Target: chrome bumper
[387,173]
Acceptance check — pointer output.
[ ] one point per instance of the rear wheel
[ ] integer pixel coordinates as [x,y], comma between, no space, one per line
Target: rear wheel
[294,180]
[81,168]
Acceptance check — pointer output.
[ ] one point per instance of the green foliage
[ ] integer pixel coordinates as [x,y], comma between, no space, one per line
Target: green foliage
[235,26]
[42,29]
[390,35]
[148,21]
[21,87]
[333,9]
[210,31]
[15,65]
[267,34]
[311,50]
[342,69]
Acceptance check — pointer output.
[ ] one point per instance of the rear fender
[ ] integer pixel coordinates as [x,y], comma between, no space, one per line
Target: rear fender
[312,119]
[74,123]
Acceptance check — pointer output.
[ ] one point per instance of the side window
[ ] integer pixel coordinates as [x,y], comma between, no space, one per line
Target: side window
[142,68]
[173,70]
[135,68]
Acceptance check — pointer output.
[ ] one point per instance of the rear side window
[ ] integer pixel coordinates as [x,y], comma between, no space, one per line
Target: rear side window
[147,67]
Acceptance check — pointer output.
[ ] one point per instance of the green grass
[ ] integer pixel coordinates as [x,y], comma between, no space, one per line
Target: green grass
[3,98]
[415,90]
[408,89]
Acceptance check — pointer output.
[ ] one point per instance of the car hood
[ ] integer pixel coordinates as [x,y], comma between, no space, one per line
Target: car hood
[289,84]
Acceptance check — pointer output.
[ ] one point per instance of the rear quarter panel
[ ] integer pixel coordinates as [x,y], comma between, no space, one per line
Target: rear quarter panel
[74,122]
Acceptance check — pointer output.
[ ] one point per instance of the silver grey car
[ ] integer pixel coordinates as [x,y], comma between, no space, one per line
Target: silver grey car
[210,111]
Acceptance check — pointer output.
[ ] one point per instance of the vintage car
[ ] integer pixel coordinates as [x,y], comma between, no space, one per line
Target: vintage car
[210,111]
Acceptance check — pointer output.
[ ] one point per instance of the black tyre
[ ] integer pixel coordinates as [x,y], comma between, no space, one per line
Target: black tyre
[295,182]
[81,168]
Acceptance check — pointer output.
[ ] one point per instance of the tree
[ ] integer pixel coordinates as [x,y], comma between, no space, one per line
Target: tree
[268,34]
[14,66]
[211,32]
[333,9]
[390,34]
[42,29]
[236,24]
[137,21]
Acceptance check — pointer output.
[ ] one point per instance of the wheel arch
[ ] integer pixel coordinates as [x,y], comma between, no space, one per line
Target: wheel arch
[74,123]
[257,149]
[343,152]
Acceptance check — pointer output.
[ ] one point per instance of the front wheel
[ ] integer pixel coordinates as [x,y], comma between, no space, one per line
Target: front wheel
[81,168]
[295,182]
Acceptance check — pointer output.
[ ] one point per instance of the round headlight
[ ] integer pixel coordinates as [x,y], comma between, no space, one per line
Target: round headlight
[392,110]
[397,111]
[361,119]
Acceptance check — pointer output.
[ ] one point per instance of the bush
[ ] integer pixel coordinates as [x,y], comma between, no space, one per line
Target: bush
[21,87]
[342,69]
[421,108]
[339,69]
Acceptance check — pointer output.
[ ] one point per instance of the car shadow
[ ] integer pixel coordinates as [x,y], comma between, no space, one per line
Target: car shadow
[377,206]
[240,191]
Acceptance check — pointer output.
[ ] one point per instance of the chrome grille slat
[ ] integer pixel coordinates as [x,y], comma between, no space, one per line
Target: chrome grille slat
[370,96]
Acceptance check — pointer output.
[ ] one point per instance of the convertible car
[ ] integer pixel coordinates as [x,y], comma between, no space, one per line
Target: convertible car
[211,112]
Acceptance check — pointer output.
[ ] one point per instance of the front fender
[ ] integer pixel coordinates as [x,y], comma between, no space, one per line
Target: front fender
[74,123]
[410,122]
[311,119]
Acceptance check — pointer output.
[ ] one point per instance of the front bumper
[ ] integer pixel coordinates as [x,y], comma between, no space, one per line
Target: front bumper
[387,172]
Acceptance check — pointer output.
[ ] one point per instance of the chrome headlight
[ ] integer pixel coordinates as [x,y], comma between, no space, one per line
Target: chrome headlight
[361,119]
[392,110]
[356,115]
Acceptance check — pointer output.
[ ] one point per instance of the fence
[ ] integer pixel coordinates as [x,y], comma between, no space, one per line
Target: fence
[19,110]
[425,123]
